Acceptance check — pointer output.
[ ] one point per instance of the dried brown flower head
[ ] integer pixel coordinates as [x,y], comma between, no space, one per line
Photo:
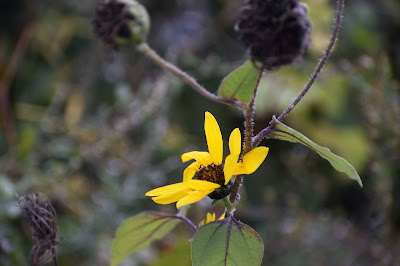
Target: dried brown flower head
[121,21]
[43,221]
[275,31]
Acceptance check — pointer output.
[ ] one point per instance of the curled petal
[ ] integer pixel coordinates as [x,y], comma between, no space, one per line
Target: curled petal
[192,197]
[202,185]
[214,138]
[201,157]
[235,142]
[251,161]
[190,171]
[229,167]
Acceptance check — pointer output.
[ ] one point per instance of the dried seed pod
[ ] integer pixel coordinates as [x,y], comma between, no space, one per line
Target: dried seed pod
[277,32]
[43,220]
[42,253]
[119,22]
[40,215]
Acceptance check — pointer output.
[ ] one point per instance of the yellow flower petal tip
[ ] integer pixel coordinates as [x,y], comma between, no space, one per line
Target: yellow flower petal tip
[214,138]
[235,142]
[211,218]
[251,161]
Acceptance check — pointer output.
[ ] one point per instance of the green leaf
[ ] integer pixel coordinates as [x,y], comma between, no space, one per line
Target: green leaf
[240,83]
[283,132]
[139,232]
[227,242]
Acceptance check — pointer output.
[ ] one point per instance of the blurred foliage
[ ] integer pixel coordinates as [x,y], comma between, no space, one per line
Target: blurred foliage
[95,130]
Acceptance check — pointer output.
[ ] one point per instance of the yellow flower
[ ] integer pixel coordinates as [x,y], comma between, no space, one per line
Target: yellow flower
[211,218]
[207,175]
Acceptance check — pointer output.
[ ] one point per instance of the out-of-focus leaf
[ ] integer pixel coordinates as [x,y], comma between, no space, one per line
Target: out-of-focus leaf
[240,83]
[283,132]
[227,242]
[178,254]
[139,232]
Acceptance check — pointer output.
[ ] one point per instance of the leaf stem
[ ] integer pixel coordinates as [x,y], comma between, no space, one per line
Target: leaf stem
[336,27]
[186,220]
[248,135]
[149,52]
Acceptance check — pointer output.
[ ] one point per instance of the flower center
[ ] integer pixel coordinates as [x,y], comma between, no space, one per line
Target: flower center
[211,173]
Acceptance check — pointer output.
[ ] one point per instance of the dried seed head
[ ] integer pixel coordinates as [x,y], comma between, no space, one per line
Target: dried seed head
[42,253]
[277,32]
[43,221]
[119,22]
[40,215]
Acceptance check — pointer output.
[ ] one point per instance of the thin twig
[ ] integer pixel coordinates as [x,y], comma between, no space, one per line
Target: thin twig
[336,27]
[248,135]
[147,50]
[5,83]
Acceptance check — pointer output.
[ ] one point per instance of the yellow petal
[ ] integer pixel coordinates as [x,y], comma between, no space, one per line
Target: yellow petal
[235,142]
[192,197]
[240,169]
[210,217]
[201,185]
[190,171]
[214,138]
[229,167]
[202,157]
[251,161]
[170,198]
[222,216]
[169,189]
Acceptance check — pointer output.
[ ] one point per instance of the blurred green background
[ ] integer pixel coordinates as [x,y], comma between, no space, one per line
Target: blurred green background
[94,130]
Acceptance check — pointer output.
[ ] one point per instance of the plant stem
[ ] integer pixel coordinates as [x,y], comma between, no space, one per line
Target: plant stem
[248,135]
[336,27]
[186,220]
[228,204]
[148,51]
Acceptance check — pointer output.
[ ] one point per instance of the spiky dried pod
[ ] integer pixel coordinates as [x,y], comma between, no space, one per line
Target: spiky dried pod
[277,32]
[40,215]
[42,253]
[43,221]
[119,22]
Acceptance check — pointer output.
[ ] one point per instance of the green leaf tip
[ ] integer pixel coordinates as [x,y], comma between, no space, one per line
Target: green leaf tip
[227,242]
[283,132]
[240,83]
[138,232]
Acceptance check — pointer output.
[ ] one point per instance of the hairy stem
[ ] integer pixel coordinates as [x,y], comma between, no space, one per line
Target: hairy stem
[148,51]
[336,27]
[248,135]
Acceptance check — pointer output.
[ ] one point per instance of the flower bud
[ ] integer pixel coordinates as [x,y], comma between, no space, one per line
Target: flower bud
[119,22]
[277,32]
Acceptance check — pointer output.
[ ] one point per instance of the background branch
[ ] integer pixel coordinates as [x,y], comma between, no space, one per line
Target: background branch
[5,83]
[146,49]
